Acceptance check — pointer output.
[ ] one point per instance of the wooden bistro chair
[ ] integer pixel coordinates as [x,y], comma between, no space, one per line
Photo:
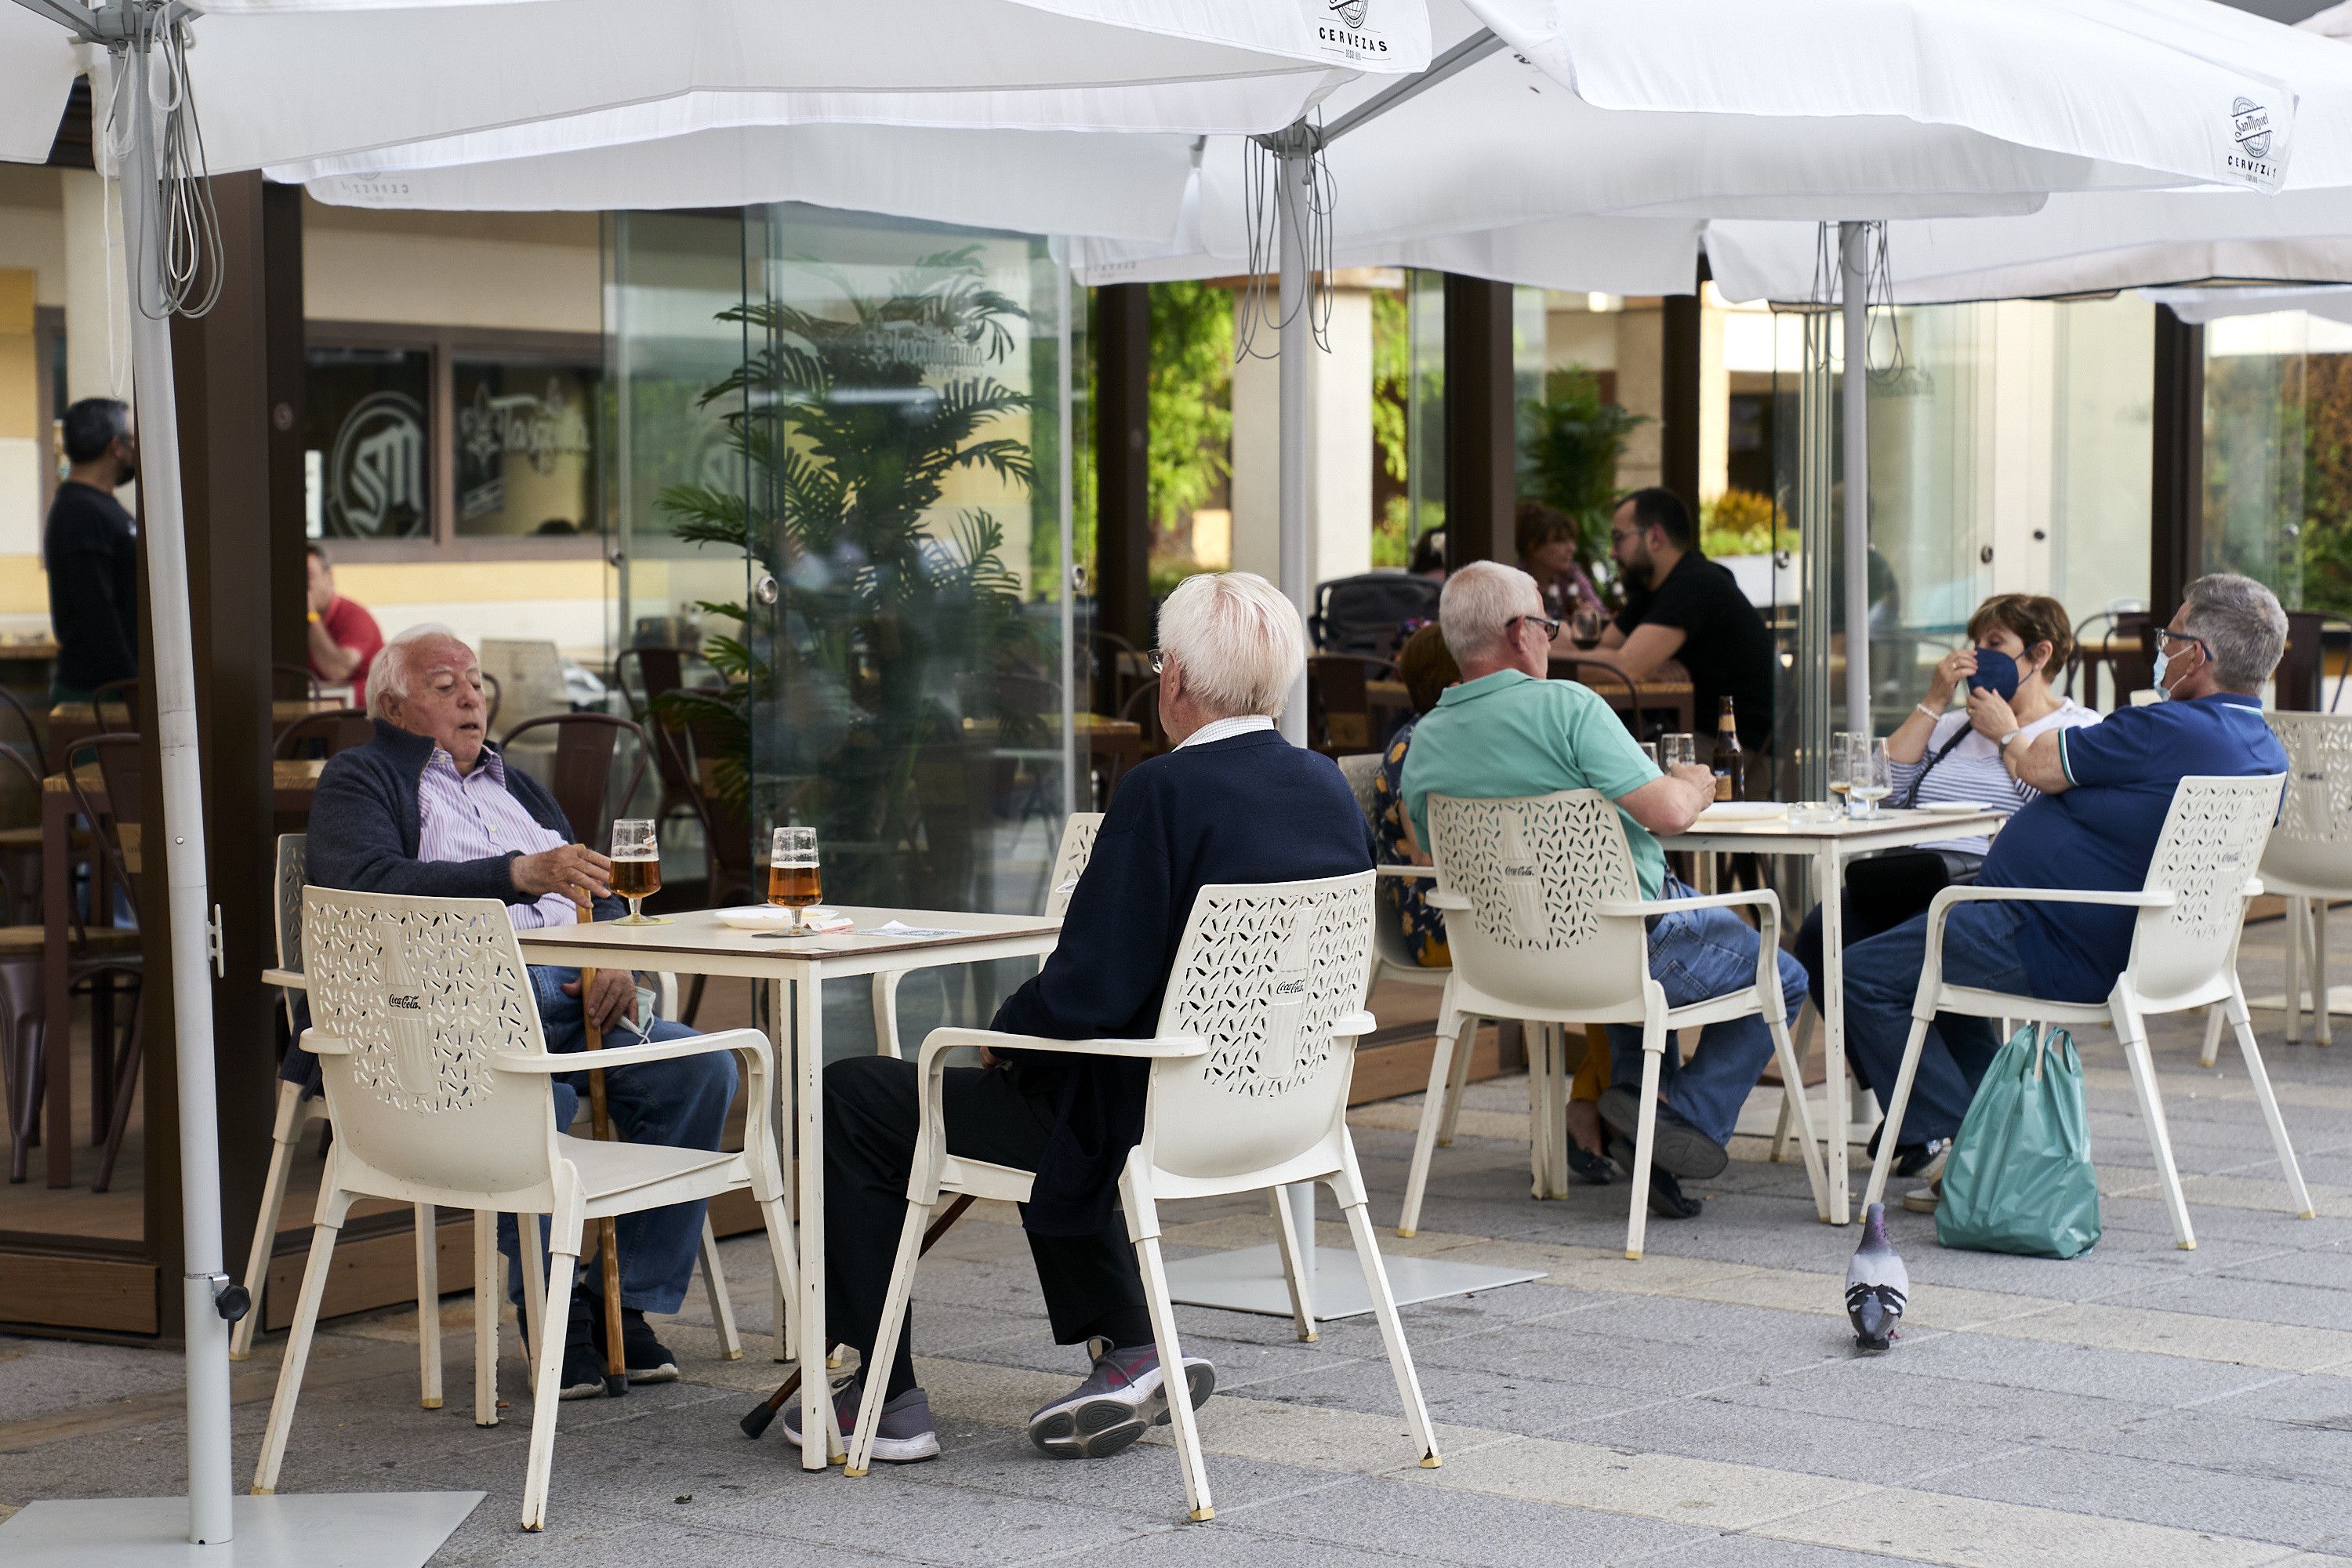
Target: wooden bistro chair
[323,735]
[115,834]
[1546,922]
[1249,1073]
[438,1077]
[2184,955]
[581,770]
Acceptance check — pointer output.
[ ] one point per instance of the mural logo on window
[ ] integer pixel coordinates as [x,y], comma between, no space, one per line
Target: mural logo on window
[495,427]
[375,478]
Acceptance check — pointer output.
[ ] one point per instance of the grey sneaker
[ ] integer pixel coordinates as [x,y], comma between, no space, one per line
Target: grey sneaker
[907,1435]
[1118,1401]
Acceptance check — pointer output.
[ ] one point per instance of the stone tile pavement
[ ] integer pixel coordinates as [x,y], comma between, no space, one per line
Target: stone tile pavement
[2138,1405]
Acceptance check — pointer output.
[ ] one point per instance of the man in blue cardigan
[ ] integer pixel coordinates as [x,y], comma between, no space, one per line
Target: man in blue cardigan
[429,808]
[1233,802]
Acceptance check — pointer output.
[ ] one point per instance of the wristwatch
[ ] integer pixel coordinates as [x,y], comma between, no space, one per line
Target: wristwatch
[2012,735]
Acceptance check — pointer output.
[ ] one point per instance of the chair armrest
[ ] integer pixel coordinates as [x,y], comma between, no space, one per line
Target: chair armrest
[1410,873]
[291,979]
[319,1044]
[1757,897]
[1447,898]
[940,1041]
[749,1041]
[1977,895]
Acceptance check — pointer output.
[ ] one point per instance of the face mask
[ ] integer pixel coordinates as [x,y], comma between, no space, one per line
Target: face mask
[2163,658]
[1996,673]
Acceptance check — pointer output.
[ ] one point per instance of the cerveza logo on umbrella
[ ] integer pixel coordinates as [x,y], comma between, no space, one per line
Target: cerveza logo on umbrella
[1341,31]
[2254,130]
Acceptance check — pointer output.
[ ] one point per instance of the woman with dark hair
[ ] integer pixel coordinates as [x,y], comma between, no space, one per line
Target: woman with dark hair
[1549,542]
[1427,669]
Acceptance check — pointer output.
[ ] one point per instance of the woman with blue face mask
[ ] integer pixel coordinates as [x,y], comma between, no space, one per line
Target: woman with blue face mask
[1948,750]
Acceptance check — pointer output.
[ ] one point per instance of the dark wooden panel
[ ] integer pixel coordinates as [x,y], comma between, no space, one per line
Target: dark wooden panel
[80,1293]
[370,1271]
[1481,419]
[2176,495]
[1122,335]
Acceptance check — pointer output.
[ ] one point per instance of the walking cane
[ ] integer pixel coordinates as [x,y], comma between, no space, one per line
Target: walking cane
[756,1422]
[600,1121]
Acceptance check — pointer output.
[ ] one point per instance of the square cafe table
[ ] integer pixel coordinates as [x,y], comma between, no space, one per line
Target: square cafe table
[696,943]
[1833,846]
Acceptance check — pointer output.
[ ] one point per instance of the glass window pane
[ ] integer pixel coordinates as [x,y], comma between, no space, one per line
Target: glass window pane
[525,432]
[365,449]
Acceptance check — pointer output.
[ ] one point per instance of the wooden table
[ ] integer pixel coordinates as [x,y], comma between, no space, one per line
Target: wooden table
[796,968]
[1667,690]
[1832,846]
[292,783]
[73,721]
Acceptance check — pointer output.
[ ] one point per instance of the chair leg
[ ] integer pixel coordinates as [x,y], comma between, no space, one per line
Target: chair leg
[1457,1081]
[1376,1281]
[886,1011]
[2320,1019]
[1560,1075]
[2210,1052]
[297,1343]
[714,1288]
[2296,909]
[2133,1033]
[283,1131]
[1794,1088]
[429,1306]
[549,1352]
[1792,1093]
[1890,1129]
[486,1317]
[2259,1077]
[782,1246]
[1180,1417]
[533,1257]
[877,1375]
[1287,1242]
[126,1087]
[1432,1118]
[1653,1048]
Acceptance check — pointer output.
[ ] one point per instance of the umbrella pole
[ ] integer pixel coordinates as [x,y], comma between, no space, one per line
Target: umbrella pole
[1853,270]
[1295,163]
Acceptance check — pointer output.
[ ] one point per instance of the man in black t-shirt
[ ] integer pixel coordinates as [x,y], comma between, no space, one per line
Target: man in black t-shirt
[1681,606]
[90,549]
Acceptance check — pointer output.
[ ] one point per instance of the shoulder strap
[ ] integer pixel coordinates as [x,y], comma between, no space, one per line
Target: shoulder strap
[1911,795]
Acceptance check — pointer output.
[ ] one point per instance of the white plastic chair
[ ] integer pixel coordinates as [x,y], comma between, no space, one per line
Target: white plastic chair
[2184,955]
[1250,1067]
[1545,921]
[294,1118]
[1070,860]
[2308,860]
[438,1077]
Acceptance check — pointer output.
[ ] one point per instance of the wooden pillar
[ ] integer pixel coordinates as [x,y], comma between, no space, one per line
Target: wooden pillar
[283,364]
[1122,333]
[2177,496]
[228,457]
[1679,413]
[1481,423]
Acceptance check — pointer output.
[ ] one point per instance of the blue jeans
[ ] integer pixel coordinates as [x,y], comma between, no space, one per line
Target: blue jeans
[682,1103]
[1882,981]
[1694,956]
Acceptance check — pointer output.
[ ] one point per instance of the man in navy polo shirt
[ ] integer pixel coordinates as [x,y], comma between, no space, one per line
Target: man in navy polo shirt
[2106,791]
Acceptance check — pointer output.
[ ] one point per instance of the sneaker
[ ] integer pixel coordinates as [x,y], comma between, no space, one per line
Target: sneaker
[1922,1200]
[1118,1400]
[1667,1199]
[1676,1145]
[584,1372]
[905,1434]
[648,1358]
[1925,1159]
[1589,1166]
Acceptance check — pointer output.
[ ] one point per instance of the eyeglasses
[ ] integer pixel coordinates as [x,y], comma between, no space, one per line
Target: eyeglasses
[2168,634]
[1157,658]
[1550,627]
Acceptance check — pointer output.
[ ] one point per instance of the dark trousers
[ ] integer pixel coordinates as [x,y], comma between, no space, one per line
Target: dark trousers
[1090,1282]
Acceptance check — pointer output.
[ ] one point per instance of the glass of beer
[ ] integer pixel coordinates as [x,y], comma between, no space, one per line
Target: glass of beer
[637,868]
[794,881]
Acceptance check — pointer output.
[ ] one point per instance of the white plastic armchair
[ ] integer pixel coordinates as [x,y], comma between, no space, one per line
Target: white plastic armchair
[2184,955]
[1248,1091]
[438,1079]
[1545,921]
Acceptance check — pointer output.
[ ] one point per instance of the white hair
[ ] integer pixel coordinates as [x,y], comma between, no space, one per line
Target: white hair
[1239,640]
[1479,601]
[393,673]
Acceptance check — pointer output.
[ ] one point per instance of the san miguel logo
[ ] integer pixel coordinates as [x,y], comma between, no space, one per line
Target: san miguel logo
[1348,36]
[2256,136]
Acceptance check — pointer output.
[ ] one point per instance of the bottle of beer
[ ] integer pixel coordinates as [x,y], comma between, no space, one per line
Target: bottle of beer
[1730,764]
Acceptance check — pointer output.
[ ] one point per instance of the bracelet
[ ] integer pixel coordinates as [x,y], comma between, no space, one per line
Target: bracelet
[2012,735]
[1930,712]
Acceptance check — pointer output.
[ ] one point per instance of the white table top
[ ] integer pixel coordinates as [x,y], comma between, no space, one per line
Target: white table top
[698,935]
[1888,827]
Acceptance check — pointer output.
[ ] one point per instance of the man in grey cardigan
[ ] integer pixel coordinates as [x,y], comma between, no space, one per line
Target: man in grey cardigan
[428,807]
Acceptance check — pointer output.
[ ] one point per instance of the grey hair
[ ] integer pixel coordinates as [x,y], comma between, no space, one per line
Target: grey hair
[1239,640]
[2241,625]
[393,672]
[1479,601]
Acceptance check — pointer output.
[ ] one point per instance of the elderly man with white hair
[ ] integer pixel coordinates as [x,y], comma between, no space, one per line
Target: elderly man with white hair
[1233,802]
[1506,732]
[428,807]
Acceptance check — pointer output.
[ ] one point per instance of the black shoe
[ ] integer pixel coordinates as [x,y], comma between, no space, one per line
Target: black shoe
[1668,1200]
[1676,1145]
[1593,1168]
[648,1358]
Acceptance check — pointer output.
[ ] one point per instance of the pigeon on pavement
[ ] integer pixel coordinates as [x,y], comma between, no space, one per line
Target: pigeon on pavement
[1877,1285]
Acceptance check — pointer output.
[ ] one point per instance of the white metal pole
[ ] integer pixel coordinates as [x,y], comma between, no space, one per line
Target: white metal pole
[174,680]
[1854,270]
[1295,167]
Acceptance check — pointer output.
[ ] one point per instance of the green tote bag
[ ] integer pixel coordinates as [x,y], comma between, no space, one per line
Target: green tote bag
[2019,1177]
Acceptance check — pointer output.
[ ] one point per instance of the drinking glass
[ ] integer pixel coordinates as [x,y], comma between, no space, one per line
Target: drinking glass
[794,881]
[1585,627]
[1841,764]
[1677,751]
[1874,775]
[1650,750]
[637,868]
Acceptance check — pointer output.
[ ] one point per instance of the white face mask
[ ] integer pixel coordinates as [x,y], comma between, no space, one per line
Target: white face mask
[2162,659]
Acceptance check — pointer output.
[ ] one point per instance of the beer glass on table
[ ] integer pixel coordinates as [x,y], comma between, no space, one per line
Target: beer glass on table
[637,868]
[1842,766]
[1874,774]
[793,880]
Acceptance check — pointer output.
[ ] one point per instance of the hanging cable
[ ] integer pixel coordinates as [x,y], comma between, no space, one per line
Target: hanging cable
[1258,305]
[1878,305]
[187,275]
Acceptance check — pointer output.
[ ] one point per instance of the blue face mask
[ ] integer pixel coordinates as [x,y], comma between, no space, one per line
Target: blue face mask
[2163,658]
[1996,673]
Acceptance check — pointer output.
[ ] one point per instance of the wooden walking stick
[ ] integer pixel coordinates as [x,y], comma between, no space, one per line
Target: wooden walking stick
[756,1421]
[600,1120]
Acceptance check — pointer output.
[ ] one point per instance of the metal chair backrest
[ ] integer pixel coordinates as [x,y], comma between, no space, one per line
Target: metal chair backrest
[1142,709]
[294,683]
[293,875]
[37,753]
[660,670]
[115,705]
[2312,843]
[416,995]
[117,828]
[324,734]
[1070,860]
[1534,870]
[1568,667]
[1262,973]
[1362,613]
[581,775]
[2211,849]
[491,696]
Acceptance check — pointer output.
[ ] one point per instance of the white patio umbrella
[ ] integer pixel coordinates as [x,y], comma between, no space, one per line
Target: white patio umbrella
[292,79]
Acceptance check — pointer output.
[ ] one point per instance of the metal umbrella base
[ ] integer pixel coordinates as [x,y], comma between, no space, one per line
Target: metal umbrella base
[325,1530]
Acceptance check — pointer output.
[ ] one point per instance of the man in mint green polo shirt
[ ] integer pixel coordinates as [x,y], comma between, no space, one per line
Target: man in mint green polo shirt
[1506,732]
